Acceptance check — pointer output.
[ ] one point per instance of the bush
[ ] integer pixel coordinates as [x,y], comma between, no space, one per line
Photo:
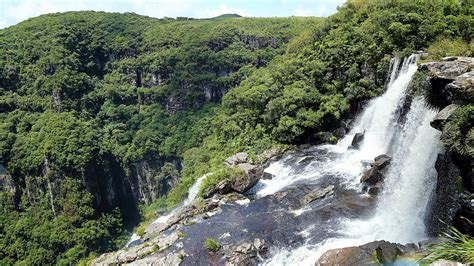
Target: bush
[449,47]
[211,245]
[457,247]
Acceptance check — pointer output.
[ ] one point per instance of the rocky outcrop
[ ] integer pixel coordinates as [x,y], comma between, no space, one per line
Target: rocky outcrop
[317,194]
[445,200]
[376,172]
[374,253]
[451,86]
[252,175]
[356,141]
[444,116]
[247,253]
[452,80]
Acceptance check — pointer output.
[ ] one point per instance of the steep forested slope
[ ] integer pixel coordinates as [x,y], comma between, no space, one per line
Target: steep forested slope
[101,112]
[96,111]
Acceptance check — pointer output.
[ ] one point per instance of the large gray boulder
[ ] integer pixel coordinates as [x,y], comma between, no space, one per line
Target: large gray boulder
[252,175]
[373,253]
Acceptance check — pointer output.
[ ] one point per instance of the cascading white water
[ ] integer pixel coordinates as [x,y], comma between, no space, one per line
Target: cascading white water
[399,215]
[192,194]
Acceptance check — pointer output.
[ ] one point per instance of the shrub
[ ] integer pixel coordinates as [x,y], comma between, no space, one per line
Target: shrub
[448,46]
[457,247]
[211,245]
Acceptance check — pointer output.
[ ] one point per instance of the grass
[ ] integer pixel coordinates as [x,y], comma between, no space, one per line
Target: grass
[457,247]
[211,245]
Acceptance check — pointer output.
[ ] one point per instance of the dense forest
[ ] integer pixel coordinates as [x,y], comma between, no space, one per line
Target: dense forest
[105,117]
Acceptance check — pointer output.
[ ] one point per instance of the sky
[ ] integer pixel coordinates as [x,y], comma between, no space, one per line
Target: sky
[15,11]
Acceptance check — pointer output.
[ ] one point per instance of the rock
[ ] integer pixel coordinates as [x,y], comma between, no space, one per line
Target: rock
[444,203]
[317,194]
[240,157]
[382,161]
[340,132]
[374,253]
[443,116]
[356,141]
[270,154]
[448,69]
[461,90]
[375,174]
[372,176]
[267,176]
[246,253]
[375,190]
[463,220]
[252,175]
[452,80]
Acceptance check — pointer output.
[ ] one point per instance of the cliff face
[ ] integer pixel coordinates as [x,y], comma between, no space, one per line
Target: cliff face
[451,88]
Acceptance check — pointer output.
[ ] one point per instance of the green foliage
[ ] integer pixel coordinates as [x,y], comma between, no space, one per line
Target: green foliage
[456,247]
[450,47]
[211,245]
[458,134]
[224,173]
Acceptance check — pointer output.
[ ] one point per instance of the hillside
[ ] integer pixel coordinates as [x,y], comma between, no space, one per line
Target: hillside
[107,118]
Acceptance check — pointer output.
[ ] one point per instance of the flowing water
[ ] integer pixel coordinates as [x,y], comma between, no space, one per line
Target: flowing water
[399,213]
[192,194]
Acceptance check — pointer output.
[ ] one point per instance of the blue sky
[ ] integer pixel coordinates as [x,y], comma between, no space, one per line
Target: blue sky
[14,11]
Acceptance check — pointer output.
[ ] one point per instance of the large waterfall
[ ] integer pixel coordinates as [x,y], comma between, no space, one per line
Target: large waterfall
[399,213]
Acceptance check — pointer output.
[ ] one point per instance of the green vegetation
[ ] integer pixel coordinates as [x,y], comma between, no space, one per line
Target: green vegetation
[99,111]
[455,247]
[212,245]
[446,47]
[458,134]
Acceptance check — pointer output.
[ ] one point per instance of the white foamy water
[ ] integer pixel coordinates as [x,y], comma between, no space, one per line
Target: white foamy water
[413,146]
[192,194]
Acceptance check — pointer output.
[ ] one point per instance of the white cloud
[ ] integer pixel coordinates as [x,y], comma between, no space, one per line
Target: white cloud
[223,9]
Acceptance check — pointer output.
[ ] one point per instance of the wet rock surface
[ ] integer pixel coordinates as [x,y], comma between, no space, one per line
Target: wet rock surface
[356,141]
[247,227]
[375,175]
[443,116]
[373,253]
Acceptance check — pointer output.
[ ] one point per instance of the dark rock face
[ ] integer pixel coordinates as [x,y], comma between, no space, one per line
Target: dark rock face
[374,253]
[452,80]
[358,137]
[445,201]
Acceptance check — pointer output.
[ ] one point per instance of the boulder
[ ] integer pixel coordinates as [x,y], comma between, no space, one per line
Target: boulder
[317,194]
[374,253]
[240,157]
[251,177]
[267,176]
[340,132]
[449,68]
[356,141]
[461,90]
[247,253]
[372,176]
[381,161]
[376,174]
[443,116]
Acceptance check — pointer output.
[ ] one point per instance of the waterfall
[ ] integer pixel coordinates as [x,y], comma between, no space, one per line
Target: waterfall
[192,194]
[400,210]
